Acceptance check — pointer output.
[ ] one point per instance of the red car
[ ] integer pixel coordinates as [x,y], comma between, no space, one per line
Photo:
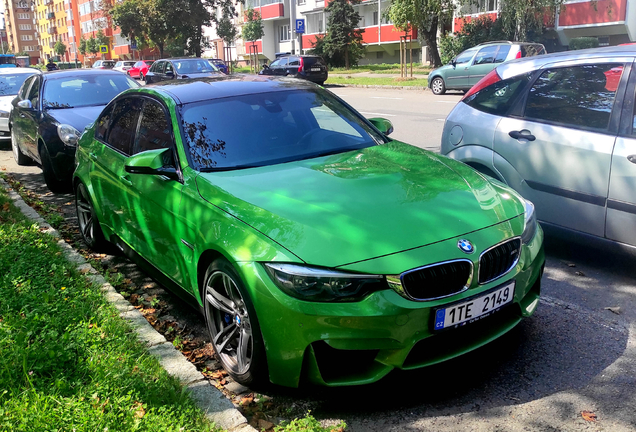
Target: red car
[140,69]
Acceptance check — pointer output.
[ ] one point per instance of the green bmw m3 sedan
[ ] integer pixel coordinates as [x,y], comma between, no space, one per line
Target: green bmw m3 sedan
[317,248]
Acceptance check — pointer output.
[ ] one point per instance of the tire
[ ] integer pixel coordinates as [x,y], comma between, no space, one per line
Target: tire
[233,325]
[141,77]
[54,184]
[437,86]
[20,158]
[89,226]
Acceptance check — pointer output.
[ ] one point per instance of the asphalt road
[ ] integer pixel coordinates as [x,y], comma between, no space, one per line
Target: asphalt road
[573,355]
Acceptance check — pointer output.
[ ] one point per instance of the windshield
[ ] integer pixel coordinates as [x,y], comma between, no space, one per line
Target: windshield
[194,66]
[79,91]
[10,84]
[270,128]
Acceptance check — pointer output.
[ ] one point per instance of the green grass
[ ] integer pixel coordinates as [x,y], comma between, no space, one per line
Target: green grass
[385,68]
[68,361]
[385,81]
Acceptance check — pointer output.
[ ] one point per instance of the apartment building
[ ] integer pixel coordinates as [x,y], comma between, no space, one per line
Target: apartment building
[380,38]
[612,21]
[52,25]
[20,26]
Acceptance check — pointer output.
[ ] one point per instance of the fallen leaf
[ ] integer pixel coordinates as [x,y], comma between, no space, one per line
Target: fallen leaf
[615,309]
[588,416]
[264,424]
[139,410]
[247,400]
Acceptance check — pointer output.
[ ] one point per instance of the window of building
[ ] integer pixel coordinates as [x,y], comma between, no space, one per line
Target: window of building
[26,37]
[24,26]
[375,18]
[301,2]
[284,33]
[24,16]
[315,23]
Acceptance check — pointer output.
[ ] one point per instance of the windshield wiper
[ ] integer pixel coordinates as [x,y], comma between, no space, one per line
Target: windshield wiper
[232,168]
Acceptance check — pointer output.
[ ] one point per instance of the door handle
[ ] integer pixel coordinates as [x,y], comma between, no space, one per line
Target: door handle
[632,158]
[519,135]
[126,180]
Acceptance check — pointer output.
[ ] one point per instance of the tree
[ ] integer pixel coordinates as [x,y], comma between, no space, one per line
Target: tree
[524,19]
[253,30]
[226,30]
[425,16]
[59,48]
[83,46]
[343,39]
[92,46]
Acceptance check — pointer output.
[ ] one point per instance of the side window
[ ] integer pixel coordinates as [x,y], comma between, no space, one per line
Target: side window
[575,96]
[294,61]
[157,67]
[25,88]
[154,128]
[123,124]
[138,64]
[34,93]
[502,53]
[102,122]
[275,64]
[499,97]
[169,67]
[464,57]
[486,55]
[283,62]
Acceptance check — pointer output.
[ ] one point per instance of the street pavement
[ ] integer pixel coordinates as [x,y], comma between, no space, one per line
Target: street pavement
[570,367]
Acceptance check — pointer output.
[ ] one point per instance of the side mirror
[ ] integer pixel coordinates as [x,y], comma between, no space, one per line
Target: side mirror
[453,63]
[25,104]
[383,125]
[153,162]
[265,66]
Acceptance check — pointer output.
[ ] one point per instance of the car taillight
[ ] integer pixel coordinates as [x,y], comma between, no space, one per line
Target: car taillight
[486,81]
[518,54]
[302,65]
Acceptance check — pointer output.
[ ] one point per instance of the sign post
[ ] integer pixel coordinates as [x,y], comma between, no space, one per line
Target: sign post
[300,30]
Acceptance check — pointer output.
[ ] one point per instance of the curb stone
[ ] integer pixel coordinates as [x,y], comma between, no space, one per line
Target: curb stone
[215,406]
[421,88]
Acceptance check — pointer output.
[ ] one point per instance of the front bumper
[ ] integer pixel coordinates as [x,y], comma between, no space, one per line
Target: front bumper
[337,344]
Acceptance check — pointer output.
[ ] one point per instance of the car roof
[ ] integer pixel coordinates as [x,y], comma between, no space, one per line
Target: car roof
[19,70]
[200,89]
[79,73]
[528,64]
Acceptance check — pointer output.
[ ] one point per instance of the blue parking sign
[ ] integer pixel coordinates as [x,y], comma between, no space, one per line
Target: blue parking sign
[300,26]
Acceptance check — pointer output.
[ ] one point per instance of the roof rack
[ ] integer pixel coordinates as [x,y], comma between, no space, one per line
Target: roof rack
[492,42]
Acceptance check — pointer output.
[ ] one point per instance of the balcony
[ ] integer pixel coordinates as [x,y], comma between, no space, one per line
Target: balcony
[51,44]
[50,15]
[52,30]
[48,2]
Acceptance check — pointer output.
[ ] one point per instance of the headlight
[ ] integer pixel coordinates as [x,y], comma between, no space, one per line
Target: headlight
[4,114]
[323,285]
[68,134]
[530,223]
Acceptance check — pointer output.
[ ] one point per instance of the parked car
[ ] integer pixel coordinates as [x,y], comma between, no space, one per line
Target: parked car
[181,68]
[307,237]
[11,80]
[140,69]
[311,68]
[123,66]
[220,64]
[104,64]
[51,111]
[561,130]
[473,64]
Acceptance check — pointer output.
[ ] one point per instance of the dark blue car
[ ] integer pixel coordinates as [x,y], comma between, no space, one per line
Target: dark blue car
[220,64]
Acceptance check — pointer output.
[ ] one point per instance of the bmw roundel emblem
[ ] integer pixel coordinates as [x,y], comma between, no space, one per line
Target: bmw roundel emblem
[466,246]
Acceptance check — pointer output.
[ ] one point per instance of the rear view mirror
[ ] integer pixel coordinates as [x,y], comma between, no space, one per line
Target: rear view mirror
[265,66]
[26,104]
[152,162]
[383,125]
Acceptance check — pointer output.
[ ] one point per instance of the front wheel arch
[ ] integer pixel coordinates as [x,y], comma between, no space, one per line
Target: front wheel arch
[485,170]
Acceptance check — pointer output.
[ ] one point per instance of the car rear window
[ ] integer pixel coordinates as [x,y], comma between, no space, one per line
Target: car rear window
[278,127]
[499,97]
[529,50]
[310,61]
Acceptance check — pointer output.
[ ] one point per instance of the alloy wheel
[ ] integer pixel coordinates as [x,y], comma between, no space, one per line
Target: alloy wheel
[229,323]
[85,214]
[438,86]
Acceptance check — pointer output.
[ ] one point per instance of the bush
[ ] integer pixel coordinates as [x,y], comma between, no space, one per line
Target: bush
[449,46]
[583,43]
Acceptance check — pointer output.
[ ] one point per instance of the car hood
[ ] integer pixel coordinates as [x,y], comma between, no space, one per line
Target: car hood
[340,209]
[79,118]
[5,103]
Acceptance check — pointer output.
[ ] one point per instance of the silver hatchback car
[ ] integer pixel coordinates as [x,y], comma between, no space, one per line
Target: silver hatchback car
[561,130]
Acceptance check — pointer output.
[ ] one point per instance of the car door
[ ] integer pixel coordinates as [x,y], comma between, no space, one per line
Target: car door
[559,142]
[456,77]
[483,63]
[31,117]
[168,72]
[115,130]
[18,119]
[293,65]
[154,200]
[155,72]
[621,200]
[271,68]
[281,70]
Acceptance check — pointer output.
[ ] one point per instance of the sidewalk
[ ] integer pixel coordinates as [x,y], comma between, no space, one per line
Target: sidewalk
[376,75]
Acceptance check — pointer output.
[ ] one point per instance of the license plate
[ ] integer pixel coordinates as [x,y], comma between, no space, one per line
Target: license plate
[315,69]
[474,309]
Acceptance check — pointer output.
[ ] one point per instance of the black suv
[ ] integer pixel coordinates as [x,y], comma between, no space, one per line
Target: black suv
[312,68]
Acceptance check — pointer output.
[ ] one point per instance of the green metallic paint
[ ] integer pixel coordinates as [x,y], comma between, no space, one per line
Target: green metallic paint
[381,210]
